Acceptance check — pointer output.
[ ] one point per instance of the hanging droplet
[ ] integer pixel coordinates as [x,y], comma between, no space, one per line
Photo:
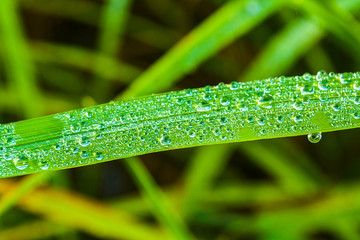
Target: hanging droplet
[314,137]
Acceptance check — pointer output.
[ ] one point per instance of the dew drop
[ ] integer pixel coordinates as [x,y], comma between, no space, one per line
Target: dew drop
[298,105]
[11,141]
[21,162]
[165,140]
[356,115]
[357,100]
[356,85]
[324,84]
[75,128]
[223,120]
[336,107]
[207,96]
[314,137]
[203,107]
[266,101]
[298,119]
[234,85]
[43,164]
[346,78]
[307,89]
[243,107]
[307,76]
[84,141]
[84,154]
[99,156]
[225,101]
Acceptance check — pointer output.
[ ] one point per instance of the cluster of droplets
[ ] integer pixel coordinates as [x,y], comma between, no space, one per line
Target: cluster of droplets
[283,106]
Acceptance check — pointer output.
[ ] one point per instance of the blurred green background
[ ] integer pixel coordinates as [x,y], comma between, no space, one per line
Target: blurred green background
[61,55]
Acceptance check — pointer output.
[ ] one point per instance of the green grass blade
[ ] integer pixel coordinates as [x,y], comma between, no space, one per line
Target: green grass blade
[299,36]
[286,172]
[159,202]
[18,66]
[206,164]
[114,15]
[85,60]
[271,108]
[229,22]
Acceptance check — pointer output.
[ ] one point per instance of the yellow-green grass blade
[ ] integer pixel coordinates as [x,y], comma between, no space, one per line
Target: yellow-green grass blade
[33,230]
[25,186]
[74,211]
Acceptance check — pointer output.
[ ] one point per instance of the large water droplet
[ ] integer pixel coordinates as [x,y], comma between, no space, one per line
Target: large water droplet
[84,141]
[99,156]
[346,78]
[234,85]
[21,162]
[203,107]
[11,141]
[75,127]
[314,137]
[266,101]
[43,164]
[337,107]
[165,140]
[307,76]
[225,101]
[298,105]
[307,89]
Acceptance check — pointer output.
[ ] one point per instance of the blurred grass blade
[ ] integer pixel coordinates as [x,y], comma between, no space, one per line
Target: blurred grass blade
[18,66]
[114,16]
[78,212]
[287,172]
[25,186]
[33,230]
[85,60]
[206,164]
[161,206]
[345,28]
[229,22]
[284,49]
